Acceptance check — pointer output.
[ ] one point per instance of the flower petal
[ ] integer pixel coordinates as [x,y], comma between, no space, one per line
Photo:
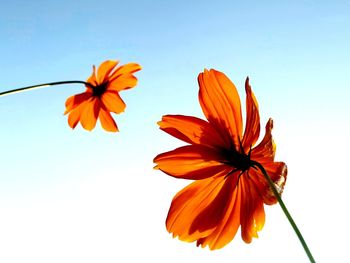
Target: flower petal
[123,78]
[252,210]
[126,69]
[107,121]
[104,70]
[252,126]
[227,227]
[113,102]
[278,173]
[221,105]
[264,152]
[188,203]
[122,82]
[90,113]
[92,79]
[222,214]
[191,129]
[75,115]
[192,162]
[74,101]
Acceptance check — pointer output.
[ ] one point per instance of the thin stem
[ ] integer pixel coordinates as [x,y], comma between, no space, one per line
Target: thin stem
[285,210]
[8,92]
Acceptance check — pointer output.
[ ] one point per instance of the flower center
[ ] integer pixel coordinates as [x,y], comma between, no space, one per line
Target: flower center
[99,90]
[238,160]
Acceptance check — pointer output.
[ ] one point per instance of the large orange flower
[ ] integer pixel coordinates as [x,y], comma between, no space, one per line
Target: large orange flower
[102,96]
[229,191]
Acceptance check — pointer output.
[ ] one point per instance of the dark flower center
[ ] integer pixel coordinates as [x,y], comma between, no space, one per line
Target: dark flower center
[240,161]
[97,91]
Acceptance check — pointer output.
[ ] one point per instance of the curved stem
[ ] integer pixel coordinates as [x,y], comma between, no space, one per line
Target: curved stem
[285,210]
[8,92]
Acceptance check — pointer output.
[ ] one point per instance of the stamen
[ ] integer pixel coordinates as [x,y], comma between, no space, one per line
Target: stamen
[99,90]
[241,145]
[232,171]
[239,177]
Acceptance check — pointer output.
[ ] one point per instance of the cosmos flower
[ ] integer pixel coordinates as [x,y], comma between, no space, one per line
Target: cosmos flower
[101,96]
[229,190]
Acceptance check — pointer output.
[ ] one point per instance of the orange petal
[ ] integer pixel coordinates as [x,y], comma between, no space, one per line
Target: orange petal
[252,126]
[126,69]
[192,130]
[122,82]
[113,102]
[252,210]
[92,79]
[221,105]
[265,151]
[105,69]
[75,115]
[278,174]
[192,162]
[107,121]
[75,100]
[188,203]
[227,227]
[90,113]
[122,78]
[216,213]
[259,216]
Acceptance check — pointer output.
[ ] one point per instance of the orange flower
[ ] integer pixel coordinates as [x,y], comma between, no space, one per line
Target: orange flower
[101,96]
[229,190]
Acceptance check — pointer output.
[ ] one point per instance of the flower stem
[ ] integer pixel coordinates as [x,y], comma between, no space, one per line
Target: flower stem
[285,210]
[8,92]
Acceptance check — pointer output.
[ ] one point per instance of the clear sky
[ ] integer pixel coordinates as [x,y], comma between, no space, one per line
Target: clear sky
[77,196]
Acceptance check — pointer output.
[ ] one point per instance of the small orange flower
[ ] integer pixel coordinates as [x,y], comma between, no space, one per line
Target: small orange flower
[229,190]
[101,96]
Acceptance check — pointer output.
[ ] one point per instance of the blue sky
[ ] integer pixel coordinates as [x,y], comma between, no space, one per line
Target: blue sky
[78,196]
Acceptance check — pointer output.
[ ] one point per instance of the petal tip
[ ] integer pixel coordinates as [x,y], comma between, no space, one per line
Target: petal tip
[160,123]
[248,88]
[269,124]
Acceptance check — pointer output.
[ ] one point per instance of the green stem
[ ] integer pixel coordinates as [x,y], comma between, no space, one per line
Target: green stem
[285,210]
[8,92]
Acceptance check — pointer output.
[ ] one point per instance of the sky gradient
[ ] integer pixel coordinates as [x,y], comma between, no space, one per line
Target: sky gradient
[77,196]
